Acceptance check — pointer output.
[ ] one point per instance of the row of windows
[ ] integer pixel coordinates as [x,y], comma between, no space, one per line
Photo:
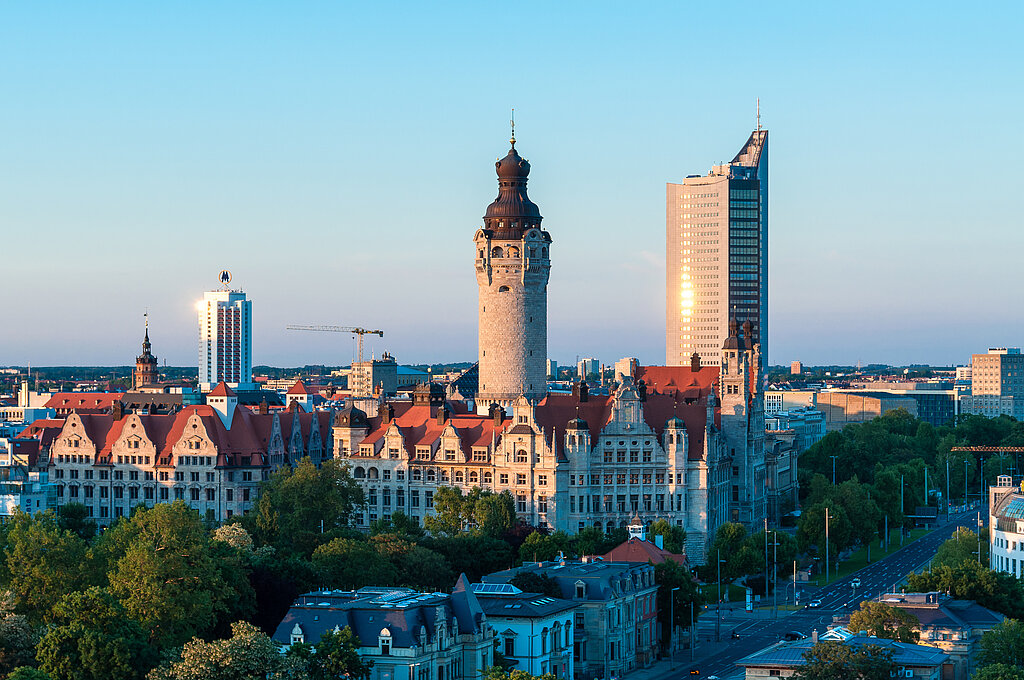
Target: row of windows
[148,493]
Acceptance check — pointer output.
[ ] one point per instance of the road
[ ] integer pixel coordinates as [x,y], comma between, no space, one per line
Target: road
[837,598]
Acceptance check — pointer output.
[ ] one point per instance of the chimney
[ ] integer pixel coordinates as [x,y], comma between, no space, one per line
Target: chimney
[117,410]
[641,390]
[442,414]
[387,412]
[694,362]
[498,413]
[584,391]
[264,408]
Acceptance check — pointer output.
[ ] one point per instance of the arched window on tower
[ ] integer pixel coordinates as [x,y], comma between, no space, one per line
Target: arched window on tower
[503,289]
[496,251]
[513,251]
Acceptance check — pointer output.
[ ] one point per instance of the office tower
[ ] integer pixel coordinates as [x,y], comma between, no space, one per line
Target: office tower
[512,274]
[225,339]
[997,384]
[717,255]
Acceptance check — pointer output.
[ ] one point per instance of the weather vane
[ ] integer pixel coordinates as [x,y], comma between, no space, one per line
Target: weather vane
[513,140]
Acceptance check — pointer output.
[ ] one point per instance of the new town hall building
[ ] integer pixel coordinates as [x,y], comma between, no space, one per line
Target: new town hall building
[683,443]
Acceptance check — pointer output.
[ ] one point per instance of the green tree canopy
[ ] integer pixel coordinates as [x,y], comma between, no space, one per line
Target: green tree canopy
[351,564]
[337,656]
[962,547]
[532,582]
[397,523]
[542,547]
[92,638]
[247,655]
[1003,644]
[999,671]
[674,537]
[996,590]
[167,578]
[74,517]
[840,661]
[17,646]
[668,575]
[884,621]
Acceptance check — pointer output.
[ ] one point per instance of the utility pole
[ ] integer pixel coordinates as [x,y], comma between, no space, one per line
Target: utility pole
[903,509]
[965,481]
[947,488]
[672,625]
[833,469]
[926,486]
[794,583]
[718,605]
[691,630]
[827,573]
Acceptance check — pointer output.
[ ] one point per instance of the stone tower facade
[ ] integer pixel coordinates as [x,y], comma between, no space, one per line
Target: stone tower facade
[146,367]
[512,266]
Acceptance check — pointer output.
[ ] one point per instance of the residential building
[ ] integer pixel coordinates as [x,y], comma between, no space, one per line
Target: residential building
[212,457]
[405,634]
[587,367]
[954,626]
[512,267]
[374,376]
[782,659]
[1006,526]
[615,625]
[225,339]
[532,630]
[717,255]
[683,443]
[997,384]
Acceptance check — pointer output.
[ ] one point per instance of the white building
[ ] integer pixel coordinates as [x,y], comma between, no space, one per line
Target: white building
[997,384]
[225,339]
[1006,526]
[532,629]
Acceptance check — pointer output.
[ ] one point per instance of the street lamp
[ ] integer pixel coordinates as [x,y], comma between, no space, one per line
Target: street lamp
[833,469]
[718,605]
[672,624]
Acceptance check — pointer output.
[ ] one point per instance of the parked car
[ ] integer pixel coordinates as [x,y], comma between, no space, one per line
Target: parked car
[794,635]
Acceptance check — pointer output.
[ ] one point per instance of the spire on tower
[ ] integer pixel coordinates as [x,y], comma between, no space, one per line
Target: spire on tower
[513,140]
[758,114]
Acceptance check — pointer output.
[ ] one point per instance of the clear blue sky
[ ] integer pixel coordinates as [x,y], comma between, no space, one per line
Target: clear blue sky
[337,157]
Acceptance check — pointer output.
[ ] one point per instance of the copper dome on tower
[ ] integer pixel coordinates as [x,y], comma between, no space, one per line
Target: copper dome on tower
[512,209]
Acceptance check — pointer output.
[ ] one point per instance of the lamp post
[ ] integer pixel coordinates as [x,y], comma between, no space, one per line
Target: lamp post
[827,574]
[718,605]
[672,625]
[833,469]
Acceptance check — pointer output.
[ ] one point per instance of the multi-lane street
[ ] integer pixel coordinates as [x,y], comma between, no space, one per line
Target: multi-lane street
[837,598]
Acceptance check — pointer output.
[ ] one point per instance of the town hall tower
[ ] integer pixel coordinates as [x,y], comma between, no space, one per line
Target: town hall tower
[512,268]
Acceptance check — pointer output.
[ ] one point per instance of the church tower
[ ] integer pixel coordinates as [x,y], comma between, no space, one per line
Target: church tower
[146,372]
[512,268]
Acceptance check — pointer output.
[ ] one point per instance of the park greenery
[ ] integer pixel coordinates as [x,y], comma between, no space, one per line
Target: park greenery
[839,661]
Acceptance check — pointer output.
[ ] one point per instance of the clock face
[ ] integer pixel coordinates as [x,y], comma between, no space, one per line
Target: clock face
[225,277]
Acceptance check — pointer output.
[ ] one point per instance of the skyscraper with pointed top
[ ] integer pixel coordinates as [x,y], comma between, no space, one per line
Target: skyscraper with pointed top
[512,266]
[717,255]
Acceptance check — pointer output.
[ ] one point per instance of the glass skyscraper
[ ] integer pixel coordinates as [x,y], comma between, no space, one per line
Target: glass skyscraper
[717,255]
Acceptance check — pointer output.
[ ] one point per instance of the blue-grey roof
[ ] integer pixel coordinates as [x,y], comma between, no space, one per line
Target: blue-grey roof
[402,611]
[600,578]
[522,605]
[792,653]
[1013,509]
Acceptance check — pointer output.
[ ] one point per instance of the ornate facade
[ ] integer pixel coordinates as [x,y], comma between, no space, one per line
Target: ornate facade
[675,442]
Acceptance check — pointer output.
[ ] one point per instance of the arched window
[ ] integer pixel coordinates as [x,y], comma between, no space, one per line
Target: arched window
[544,641]
[474,477]
[496,251]
[513,251]
[543,252]
[417,474]
[430,475]
[458,477]
[359,473]
[372,473]
[521,456]
[503,289]
[488,477]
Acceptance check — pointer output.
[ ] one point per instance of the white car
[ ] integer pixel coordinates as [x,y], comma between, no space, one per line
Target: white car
[855,583]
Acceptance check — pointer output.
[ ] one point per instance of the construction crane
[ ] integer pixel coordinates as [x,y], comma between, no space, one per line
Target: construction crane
[358,332]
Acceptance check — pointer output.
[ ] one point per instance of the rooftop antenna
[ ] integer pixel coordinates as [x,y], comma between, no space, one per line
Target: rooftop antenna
[758,114]
[513,140]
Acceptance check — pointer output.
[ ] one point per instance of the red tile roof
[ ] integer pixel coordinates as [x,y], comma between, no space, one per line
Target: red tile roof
[222,390]
[298,388]
[65,402]
[635,550]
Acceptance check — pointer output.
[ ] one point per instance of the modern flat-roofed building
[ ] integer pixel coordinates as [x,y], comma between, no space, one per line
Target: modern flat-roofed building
[717,255]
[225,339]
[997,384]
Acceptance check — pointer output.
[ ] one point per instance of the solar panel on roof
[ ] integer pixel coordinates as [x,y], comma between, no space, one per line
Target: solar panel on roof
[495,588]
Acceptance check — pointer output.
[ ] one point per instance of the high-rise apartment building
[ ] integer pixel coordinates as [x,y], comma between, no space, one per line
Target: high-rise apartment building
[717,255]
[997,384]
[225,339]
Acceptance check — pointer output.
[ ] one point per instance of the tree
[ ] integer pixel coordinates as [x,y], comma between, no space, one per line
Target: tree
[277,579]
[74,517]
[884,621]
[449,516]
[93,639]
[811,529]
[28,673]
[302,508]
[674,537]
[247,655]
[680,605]
[17,646]
[473,554]
[996,590]
[416,566]
[728,542]
[999,671]
[539,546]
[495,514]
[397,523]
[1003,644]
[352,564]
[337,655]
[840,661]
[234,535]
[498,673]
[962,547]
[532,582]
[44,562]
[167,578]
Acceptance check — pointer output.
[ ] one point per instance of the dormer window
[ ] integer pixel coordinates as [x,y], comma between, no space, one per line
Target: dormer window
[384,640]
[581,590]
[297,636]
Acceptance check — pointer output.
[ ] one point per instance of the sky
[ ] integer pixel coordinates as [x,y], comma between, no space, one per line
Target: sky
[337,158]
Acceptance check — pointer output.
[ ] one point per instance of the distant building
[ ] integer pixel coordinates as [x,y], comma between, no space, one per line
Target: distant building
[796,368]
[626,367]
[533,630]
[146,371]
[954,626]
[587,367]
[552,369]
[225,339]
[717,255]
[776,400]
[616,623]
[1006,526]
[997,384]
[375,375]
[803,426]
[844,407]
[405,634]
[782,659]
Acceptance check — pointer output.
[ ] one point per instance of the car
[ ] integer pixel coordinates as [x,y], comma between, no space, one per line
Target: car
[694,672]
[855,583]
[814,604]
[794,635]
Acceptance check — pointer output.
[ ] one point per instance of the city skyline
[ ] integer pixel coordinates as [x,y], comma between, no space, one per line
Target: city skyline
[304,152]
